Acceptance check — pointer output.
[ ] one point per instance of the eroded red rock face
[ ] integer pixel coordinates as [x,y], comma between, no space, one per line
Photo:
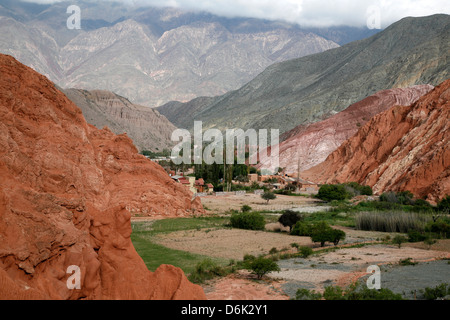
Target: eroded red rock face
[403,148]
[310,145]
[67,193]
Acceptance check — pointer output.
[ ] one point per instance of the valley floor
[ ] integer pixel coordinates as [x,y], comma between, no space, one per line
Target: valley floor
[211,237]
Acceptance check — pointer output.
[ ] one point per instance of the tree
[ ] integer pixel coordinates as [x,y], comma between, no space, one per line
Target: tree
[323,232]
[248,221]
[289,218]
[399,240]
[262,266]
[268,196]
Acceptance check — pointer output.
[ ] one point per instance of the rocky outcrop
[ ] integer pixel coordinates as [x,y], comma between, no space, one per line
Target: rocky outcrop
[148,129]
[310,145]
[403,148]
[67,194]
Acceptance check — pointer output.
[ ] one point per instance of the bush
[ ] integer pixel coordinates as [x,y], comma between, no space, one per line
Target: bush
[330,192]
[305,252]
[261,266]
[206,270]
[246,208]
[289,218]
[439,291]
[440,228]
[416,236]
[305,294]
[355,189]
[355,293]
[444,204]
[399,240]
[248,221]
[403,198]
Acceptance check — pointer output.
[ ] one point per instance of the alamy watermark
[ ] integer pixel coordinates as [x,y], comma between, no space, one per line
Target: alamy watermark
[74,21]
[238,146]
[374,281]
[373,14]
[74,281]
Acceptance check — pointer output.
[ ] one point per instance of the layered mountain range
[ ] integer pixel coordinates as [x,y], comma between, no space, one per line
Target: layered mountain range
[403,148]
[152,55]
[148,129]
[67,193]
[308,146]
[302,91]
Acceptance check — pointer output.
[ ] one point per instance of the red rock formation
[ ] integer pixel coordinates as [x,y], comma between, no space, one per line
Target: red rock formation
[67,193]
[403,148]
[312,144]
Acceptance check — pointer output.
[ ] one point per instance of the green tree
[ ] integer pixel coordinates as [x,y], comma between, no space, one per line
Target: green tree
[289,218]
[262,266]
[268,196]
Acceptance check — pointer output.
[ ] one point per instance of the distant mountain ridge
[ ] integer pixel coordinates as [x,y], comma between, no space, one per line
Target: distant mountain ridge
[153,55]
[302,91]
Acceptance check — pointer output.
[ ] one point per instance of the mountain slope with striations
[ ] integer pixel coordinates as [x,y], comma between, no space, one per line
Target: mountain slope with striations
[67,193]
[406,148]
[307,146]
[148,129]
[410,52]
[149,55]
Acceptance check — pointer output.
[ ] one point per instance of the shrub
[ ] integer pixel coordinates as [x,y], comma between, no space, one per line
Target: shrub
[261,266]
[246,208]
[356,293]
[440,227]
[206,270]
[289,218]
[305,252]
[437,292]
[403,198]
[356,189]
[416,236]
[399,240]
[248,221]
[330,192]
[444,204]
[305,294]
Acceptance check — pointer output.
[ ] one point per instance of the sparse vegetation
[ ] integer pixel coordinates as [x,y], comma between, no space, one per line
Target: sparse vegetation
[354,292]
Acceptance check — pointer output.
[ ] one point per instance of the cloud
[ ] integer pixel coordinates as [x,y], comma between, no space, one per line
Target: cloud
[321,13]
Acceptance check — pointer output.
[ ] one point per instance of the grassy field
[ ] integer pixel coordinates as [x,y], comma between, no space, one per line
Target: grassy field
[154,255]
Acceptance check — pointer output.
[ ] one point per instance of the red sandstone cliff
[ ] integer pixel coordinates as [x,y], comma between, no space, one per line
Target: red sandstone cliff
[403,148]
[310,145]
[67,193]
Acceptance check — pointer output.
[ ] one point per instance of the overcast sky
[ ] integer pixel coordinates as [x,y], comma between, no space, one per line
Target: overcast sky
[307,12]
